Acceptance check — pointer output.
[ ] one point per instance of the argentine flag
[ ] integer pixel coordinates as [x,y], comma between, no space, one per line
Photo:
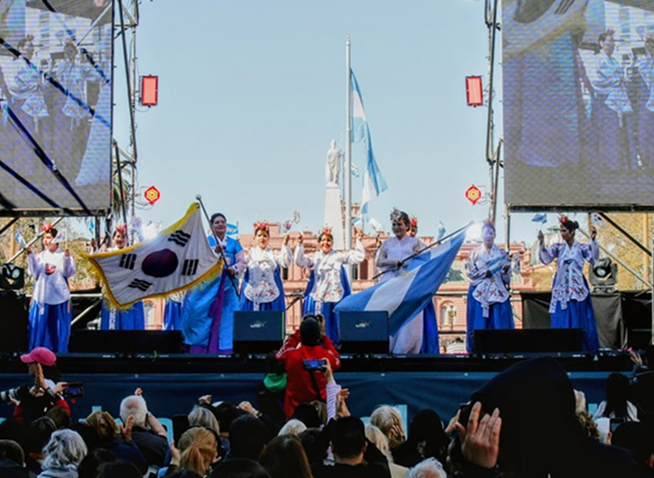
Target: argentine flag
[373,181]
[405,295]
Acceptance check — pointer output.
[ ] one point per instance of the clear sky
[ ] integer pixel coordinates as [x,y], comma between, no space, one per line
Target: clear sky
[251,93]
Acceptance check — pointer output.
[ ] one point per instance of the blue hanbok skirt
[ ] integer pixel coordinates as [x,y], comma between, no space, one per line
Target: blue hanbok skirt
[278,304]
[173,315]
[128,319]
[500,316]
[49,326]
[578,315]
[327,309]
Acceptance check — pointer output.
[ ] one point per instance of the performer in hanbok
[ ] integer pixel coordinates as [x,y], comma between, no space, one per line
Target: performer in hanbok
[111,318]
[489,271]
[208,310]
[420,333]
[611,111]
[413,227]
[173,311]
[571,305]
[646,105]
[50,312]
[262,287]
[328,282]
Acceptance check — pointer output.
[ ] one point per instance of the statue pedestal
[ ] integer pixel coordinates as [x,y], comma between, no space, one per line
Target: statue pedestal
[334,215]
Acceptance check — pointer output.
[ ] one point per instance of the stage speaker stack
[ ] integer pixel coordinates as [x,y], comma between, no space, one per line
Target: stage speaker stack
[363,332]
[126,342]
[13,321]
[510,341]
[258,332]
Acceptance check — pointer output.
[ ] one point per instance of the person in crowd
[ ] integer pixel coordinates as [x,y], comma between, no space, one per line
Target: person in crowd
[532,398]
[118,469]
[208,311]
[247,437]
[420,333]
[39,433]
[389,421]
[111,318]
[63,454]
[571,305]
[328,283]
[292,427]
[284,457]
[34,401]
[262,287]
[354,455]
[50,313]
[270,392]
[147,432]
[12,460]
[117,440]
[429,468]
[427,439]
[305,364]
[489,272]
[617,404]
[60,416]
[94,459]
[641,386]
[239,468]
[196,452]
[376,436]
[637,438]
[611,110]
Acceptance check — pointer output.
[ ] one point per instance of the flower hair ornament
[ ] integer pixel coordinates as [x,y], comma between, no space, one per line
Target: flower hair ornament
[262,226]
[326,230]
[488,223]
[413,221]
[563,219]
[396,214]
[122,228]
[47,227]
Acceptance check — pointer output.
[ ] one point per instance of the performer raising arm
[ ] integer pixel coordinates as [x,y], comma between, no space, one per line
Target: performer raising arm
[571,305]
[488,269]
[50,313]
[328,282]
[262,287]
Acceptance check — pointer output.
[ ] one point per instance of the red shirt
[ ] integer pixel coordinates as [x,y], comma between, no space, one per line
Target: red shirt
[300,387]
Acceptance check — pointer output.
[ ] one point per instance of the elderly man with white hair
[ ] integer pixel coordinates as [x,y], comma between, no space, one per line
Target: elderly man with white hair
[429,468]
[147,432]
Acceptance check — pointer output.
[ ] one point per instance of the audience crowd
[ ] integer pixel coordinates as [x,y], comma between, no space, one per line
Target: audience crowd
[526,422]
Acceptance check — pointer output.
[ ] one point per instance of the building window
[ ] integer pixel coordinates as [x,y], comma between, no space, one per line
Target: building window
[363,270]
[448,314]
[284,273]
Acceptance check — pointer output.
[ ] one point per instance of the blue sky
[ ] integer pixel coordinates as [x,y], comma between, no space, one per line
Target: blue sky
[252,92]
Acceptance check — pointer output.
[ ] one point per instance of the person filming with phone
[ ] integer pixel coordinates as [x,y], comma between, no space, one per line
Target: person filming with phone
[304,356]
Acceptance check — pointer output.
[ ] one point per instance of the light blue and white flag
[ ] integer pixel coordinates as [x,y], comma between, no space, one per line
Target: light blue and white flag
[20,239]
[373,181]
[232,230]
[92,228]
[441,231]
[539,217]
[403,296]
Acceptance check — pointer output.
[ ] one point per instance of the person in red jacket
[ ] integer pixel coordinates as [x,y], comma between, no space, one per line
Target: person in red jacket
[304,355]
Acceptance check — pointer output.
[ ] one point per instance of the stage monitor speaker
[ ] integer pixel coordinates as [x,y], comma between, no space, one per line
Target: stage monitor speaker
[363,332]
[258,332]
[527,341]
[13,320]
[129,342]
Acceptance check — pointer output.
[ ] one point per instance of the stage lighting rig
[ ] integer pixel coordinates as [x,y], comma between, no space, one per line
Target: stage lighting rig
[604,275]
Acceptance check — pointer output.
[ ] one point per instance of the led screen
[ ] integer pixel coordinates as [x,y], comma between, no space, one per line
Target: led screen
[55,98]
[578,99]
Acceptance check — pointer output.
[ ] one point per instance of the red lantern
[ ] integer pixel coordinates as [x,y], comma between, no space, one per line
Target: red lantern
[152,195]
[473,194]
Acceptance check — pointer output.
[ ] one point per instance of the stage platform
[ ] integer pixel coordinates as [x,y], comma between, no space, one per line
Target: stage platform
[172,383]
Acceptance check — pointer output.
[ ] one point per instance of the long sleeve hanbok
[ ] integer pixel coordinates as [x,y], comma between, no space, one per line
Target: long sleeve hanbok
[112,318]
[50,311]
[571,305]
[420,333]
[488,304]
[208,310]
[612,116]
[646,110]
[262,287]
[328,282]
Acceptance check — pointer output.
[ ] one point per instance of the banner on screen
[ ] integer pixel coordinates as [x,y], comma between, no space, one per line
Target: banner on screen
[578,89]
[55,96]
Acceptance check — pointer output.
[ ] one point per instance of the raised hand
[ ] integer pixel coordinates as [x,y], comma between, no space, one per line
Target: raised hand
[480,441]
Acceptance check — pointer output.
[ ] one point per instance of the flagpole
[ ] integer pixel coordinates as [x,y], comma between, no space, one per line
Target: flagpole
[348,148]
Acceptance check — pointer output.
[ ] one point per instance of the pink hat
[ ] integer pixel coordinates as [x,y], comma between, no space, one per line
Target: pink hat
[42,355]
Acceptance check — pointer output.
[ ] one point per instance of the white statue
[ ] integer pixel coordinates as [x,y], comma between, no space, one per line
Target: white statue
[333,164]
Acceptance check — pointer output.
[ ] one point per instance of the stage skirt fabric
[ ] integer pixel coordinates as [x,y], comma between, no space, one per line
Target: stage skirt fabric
[500,316]
[49,326]
[128,319]
[578,314]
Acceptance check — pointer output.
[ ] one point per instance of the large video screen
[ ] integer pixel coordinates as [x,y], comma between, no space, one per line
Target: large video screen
[578,99]
[56,61]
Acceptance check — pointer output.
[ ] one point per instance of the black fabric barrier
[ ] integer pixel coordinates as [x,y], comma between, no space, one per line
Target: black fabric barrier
[623,319]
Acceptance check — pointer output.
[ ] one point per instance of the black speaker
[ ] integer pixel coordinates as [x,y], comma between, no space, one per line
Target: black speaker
[14,309]
[129,342]
[12,277]
[258,332]
[527,341]
[363,332]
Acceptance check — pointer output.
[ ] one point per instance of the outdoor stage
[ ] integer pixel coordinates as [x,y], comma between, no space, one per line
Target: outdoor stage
[172,383]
